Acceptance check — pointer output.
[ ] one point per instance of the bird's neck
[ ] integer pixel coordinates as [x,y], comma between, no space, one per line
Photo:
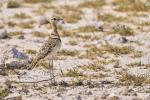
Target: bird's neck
[55,32]
[54,27]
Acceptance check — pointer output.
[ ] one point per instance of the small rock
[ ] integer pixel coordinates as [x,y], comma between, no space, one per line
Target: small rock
[116,65]
[59,95]
[125,91]
[123,40]
[104,96]
[89,93]
[13,96]
[79,98]
[3,34]
[63,83]
[106,82]
[3,72]
[15,59]
[113,97]
[17,54]
[116,39]
[21,37]
[2,64]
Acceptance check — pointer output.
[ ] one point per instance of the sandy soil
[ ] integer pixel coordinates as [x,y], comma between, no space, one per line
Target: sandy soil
[105,53]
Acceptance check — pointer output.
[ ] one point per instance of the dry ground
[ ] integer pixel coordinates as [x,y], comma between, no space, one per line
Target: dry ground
[105,50]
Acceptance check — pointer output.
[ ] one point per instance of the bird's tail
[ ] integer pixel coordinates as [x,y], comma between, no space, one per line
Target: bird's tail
[33,63]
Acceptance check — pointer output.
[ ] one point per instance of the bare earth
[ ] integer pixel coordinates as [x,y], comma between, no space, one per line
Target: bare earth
[105,53]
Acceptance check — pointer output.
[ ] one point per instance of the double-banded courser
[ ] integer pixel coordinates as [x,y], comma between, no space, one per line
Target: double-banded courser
[49,48]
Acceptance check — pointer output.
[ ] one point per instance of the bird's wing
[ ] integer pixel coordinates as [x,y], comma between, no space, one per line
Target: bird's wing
[46,48]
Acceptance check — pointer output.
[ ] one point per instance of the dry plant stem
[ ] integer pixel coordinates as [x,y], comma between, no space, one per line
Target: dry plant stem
[32,82]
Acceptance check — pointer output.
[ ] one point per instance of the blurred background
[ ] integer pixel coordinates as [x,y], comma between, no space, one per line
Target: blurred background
[105,51]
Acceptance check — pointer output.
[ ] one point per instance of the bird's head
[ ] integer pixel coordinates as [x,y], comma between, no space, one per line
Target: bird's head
[57,20]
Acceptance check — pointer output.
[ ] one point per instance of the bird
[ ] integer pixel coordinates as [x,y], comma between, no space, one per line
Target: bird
[50,48]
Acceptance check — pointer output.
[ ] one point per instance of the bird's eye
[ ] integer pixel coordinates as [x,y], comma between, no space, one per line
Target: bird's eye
[54,18]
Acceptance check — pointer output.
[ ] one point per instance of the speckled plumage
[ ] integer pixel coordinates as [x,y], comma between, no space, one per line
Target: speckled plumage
[49,48]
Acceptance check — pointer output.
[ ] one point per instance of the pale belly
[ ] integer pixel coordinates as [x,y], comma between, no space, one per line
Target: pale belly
[53,54]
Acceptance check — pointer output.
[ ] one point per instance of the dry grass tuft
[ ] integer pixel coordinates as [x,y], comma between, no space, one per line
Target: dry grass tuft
[21,16]
[128,79]
[137,54]
[134,64]
[92,4]
[15,33]
[44,64]
[39,34]
[96,66]
[122,30]
[73,73]
[25,25]
[66,33]
[131,5]
[38,1]
[70,13]
[110,18]
[94,51]
[117,50]
[3,92]
[87,28]
[68,53]
[13,4]
[29,51]
[73,42]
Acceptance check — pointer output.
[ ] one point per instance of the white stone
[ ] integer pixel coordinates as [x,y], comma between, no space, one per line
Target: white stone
[3,33]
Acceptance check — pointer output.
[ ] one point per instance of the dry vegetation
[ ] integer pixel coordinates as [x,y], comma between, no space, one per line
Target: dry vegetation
[69,12]
[68,53]
[95,53]
[128,79]
[3,92]
[110,18]
[73,73]
[92,4]
[38,1]
[122,30]
[132,5]
[21,16]
[39,34]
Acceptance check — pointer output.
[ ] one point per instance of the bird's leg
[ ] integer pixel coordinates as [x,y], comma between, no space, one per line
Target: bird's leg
[50,71]
[54,82]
